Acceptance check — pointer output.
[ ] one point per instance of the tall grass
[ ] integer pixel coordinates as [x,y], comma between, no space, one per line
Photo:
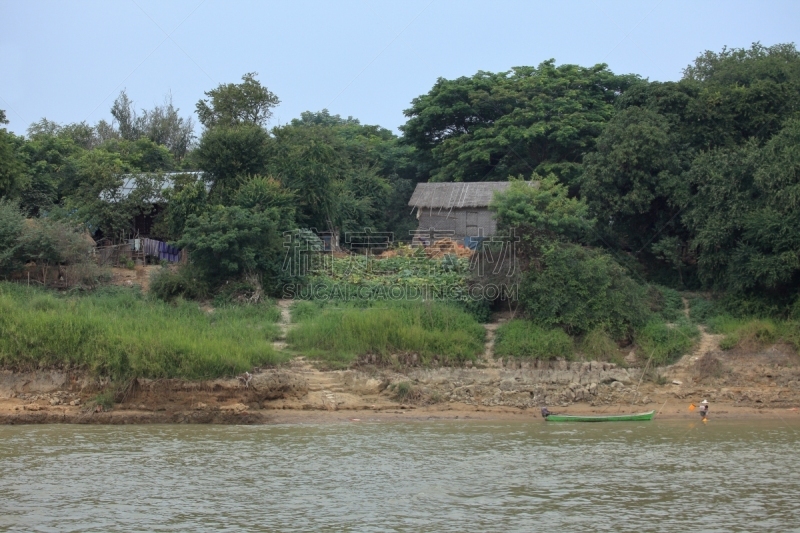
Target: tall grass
[434,331]
[597,345]
[666,343]
[521,338]
[754,333]
[121,334]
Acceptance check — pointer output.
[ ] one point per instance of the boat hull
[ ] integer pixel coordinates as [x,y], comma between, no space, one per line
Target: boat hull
[602,418]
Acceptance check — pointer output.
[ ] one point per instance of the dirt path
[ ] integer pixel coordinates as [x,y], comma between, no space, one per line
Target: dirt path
[285,324]
[488,347]
[682,370]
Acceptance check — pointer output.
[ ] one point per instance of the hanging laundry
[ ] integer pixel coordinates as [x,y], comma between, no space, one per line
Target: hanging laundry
[161,250]
[168,253]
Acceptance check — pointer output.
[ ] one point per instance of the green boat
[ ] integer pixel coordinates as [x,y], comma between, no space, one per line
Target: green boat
[601,418]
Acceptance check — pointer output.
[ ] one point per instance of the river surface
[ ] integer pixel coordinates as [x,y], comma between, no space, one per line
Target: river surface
[411,476]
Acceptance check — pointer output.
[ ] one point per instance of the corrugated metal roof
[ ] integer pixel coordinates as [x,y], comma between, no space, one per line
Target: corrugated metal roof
[164,180]
[455,195]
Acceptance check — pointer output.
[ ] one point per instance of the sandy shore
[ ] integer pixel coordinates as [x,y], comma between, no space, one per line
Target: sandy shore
[19,412]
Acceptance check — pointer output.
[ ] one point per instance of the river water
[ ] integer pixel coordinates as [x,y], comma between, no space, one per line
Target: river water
[411,476]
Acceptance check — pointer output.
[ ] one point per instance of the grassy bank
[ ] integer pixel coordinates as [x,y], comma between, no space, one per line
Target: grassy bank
[754,333]
[436,332]
[664,342]
[520,338]
[121,334]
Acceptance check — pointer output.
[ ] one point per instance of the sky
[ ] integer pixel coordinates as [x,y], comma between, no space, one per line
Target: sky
[68,61]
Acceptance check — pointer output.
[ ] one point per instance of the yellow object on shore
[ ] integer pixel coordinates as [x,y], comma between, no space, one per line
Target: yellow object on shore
[692,407]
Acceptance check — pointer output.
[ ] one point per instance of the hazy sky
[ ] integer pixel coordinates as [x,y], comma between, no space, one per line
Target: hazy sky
[67,61]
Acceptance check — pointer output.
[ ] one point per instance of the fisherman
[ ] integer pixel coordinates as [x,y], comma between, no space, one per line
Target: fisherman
[545,412]
[704,409]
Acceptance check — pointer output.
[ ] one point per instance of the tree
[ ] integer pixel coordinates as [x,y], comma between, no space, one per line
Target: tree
[227,242]
[348,176]
[11,225]
[564,284]
[232,104]
[229,153]
[163,125]
[634,182]
[744,93]
[309,160]
[541,119]
[12,169]
[187,198]
[50,158]
[746,214]
[125,114]
[540,212]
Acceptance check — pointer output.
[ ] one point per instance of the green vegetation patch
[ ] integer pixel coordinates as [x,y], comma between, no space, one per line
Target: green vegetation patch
[121,334]
[435,331]
[521,338]
[597,345]
[664,342]
[754,333]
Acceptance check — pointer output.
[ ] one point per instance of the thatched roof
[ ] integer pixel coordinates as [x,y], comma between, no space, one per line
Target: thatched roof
[455,195]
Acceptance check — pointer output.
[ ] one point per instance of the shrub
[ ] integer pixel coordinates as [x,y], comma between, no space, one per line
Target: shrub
[248,291]
[581,289]
[701,309]
[402,390]
[60,251]
[599,346]
[666,343]
[666,302]
[105,400]
[185,282]
[521,338]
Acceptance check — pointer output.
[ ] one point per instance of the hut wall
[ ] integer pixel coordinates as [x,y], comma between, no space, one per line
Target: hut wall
[465,222]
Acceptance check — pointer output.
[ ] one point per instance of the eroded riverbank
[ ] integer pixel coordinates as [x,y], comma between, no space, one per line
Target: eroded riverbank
[738,384]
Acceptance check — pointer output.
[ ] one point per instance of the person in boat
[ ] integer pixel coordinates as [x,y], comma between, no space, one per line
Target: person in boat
[545,412]
[704,409]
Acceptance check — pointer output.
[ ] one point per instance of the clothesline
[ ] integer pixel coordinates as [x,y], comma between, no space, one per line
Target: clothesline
[162,250]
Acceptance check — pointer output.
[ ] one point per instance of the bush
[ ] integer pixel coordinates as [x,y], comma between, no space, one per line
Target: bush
[666,343]
[167,284]
[666,302]
[521,338]
[234,292]
[434,331]
[581,289]
[701,310]
[598,345]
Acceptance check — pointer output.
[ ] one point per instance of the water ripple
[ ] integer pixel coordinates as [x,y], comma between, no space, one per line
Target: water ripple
[431,476]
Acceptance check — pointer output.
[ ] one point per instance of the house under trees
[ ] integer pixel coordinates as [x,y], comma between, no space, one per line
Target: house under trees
[459,211]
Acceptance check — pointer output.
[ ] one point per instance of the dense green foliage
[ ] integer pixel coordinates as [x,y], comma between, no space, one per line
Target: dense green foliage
[581,289]
[122,335]
[494,125]
[521,338]
[637,189]
[435,332]
[663,343]
[53,249]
